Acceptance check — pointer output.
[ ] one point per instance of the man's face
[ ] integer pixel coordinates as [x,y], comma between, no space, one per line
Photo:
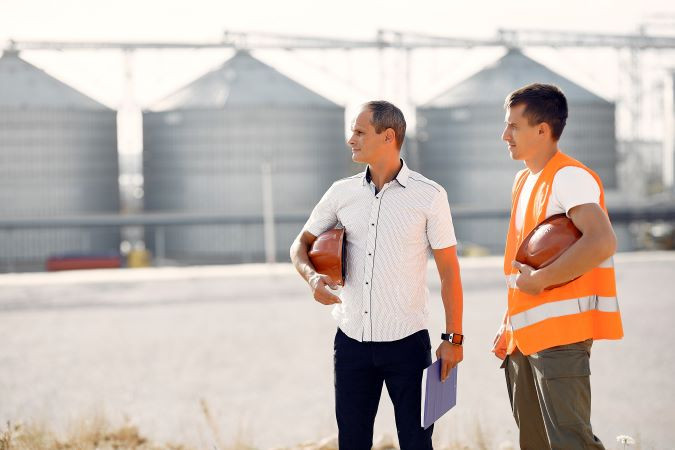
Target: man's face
[524,140]
[367,146]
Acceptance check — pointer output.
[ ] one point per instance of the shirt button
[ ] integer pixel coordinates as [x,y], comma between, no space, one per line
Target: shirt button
[365,312]
[370,254]
[366,282]
[372,224]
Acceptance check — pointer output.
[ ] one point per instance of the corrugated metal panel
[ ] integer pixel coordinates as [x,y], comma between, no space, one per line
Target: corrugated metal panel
[56,158]
[210,159]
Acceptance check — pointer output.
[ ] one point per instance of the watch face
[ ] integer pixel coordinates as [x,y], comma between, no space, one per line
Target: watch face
[453,338]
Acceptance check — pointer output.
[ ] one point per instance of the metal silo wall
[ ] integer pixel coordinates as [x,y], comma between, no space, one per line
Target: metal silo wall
[57,163]
[590,137]
[460,147]
[210,161]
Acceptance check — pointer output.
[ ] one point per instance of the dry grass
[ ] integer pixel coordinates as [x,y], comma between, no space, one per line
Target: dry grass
[94,434]
[98,434]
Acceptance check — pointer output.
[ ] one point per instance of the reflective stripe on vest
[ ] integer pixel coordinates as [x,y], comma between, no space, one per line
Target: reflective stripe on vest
[563,314]
[563,308]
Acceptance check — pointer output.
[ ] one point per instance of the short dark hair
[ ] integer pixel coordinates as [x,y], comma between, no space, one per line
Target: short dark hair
[386,115]
[543,103]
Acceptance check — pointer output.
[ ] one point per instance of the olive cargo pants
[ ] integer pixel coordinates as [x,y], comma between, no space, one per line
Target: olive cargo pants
[550,395]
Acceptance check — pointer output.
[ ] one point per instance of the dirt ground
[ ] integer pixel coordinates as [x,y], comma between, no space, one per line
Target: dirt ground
[150,345]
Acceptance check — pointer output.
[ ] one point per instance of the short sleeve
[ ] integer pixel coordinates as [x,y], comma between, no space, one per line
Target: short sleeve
[440,231]
[574,186]
[324,214]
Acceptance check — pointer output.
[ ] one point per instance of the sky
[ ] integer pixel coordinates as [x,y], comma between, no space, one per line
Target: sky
[346,78]
[176,20]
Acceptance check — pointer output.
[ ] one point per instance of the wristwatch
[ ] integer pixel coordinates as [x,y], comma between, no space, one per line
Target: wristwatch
[453,338]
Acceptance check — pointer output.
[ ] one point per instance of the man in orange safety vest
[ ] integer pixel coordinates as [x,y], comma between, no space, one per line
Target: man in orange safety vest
[546,335]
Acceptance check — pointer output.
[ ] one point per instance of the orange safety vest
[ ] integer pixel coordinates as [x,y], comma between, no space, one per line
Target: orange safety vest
[586,308]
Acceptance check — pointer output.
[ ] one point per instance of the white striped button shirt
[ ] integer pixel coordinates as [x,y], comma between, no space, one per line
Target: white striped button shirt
[389,240]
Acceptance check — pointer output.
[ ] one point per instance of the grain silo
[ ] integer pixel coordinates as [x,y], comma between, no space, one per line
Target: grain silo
[59,158]
[460,139]
[205,145]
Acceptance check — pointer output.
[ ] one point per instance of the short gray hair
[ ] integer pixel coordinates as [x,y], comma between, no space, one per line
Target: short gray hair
[386,115]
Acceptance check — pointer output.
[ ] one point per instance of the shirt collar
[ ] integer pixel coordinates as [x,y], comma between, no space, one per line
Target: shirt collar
[401,176]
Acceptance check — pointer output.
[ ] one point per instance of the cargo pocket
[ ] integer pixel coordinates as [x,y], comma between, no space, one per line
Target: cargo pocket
[566,384]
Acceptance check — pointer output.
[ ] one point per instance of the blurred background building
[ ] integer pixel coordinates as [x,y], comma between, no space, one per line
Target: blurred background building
[460,147]
[228,167]
[212,146]
[59,158]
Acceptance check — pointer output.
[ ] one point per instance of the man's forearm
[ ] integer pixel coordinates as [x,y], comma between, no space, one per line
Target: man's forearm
[452,296]
[586,254]
[300,259]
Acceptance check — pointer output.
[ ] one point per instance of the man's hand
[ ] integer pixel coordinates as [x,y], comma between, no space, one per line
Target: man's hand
[499,344]
[318,283]
[450,355]
[528,280]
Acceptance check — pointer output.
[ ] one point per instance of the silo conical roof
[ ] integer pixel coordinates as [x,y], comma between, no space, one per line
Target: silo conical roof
[22,85]
[510,72]
[241,81]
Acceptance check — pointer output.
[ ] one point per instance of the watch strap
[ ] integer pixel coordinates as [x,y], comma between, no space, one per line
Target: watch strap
[453,338]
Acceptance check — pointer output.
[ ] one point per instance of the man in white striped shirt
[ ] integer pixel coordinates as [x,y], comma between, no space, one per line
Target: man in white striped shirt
[394,219]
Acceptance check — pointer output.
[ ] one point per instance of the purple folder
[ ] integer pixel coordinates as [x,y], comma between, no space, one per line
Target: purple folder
[437,398]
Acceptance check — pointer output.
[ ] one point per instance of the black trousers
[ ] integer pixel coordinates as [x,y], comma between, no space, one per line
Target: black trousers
[360,370]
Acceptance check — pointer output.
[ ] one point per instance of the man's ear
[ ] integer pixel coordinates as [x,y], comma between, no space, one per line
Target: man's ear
[544,128]
[389,135]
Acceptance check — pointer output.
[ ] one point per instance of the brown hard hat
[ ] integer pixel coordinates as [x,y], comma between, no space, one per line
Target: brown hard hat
[328,254]
[547,241]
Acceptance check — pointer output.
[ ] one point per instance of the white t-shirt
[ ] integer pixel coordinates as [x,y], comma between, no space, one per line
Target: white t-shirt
[572,186]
